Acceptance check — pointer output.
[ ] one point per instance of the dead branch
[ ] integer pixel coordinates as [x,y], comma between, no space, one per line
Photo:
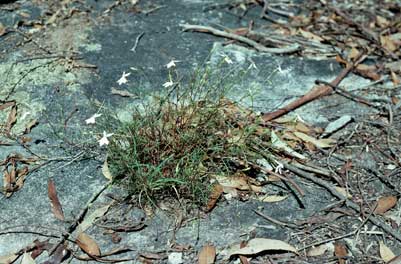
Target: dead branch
[205,29]
[316,92]
[374,220]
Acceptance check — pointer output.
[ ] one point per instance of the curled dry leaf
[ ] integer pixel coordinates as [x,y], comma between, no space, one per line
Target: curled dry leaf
[88,245]
[207,255]
[385,252]
[258,245]
[215,194]
[271,198]
[385,203]
[54,201]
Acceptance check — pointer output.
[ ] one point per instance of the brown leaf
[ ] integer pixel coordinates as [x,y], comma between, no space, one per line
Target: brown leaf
[340,251]
[394,78]
[21,174]
[368,71]
[88,245]
[6,104]
[354,53]
[388,43]
[9,180]
[207,255]
[385,203]
[150,255]
[58,256]
[215,194]
[123,93]
[243,259]
[30,125]
[40,247]
[54,201]
[12,118]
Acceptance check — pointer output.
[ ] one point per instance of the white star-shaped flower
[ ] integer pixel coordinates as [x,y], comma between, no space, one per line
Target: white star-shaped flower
[123,78]
[168,84]
[92,119]
[104,140]
[171,64]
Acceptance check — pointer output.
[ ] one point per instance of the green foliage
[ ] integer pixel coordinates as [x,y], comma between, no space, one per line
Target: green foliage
[176,143]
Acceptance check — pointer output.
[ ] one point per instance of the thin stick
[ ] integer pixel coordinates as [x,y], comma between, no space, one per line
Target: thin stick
[274,221]
[138,38]
[289,49]
[337,194]
[314,93]
[80,217]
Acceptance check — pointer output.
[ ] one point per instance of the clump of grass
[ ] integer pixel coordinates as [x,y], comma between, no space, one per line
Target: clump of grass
[178,142]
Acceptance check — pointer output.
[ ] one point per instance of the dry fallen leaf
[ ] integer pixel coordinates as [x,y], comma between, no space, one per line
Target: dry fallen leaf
[12,118]
[30,125]
[258,245]
[343,191]
[385,203]
[395,260]
[8,259]
[272,198]
[394,78]
[207,255]
[54,201]
[88,245]
[340,251]
[317,251]
[215,194]
[320,143]
[89,220]
[237,182]
[106,171]
[27,259]
[385,253]
[123,93]
[388,43]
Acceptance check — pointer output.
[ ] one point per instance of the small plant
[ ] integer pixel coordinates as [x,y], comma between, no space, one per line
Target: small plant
[177,143]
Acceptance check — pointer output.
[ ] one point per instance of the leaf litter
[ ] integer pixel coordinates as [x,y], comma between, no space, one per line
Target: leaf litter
[320,29]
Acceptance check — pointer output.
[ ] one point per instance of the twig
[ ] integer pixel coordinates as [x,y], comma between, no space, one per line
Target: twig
[349,95]
[79,219]
[151,10]
[289,49]
[274,221]
[396,234]
[138,38]
[315,92]
[343,236]
[281,177]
